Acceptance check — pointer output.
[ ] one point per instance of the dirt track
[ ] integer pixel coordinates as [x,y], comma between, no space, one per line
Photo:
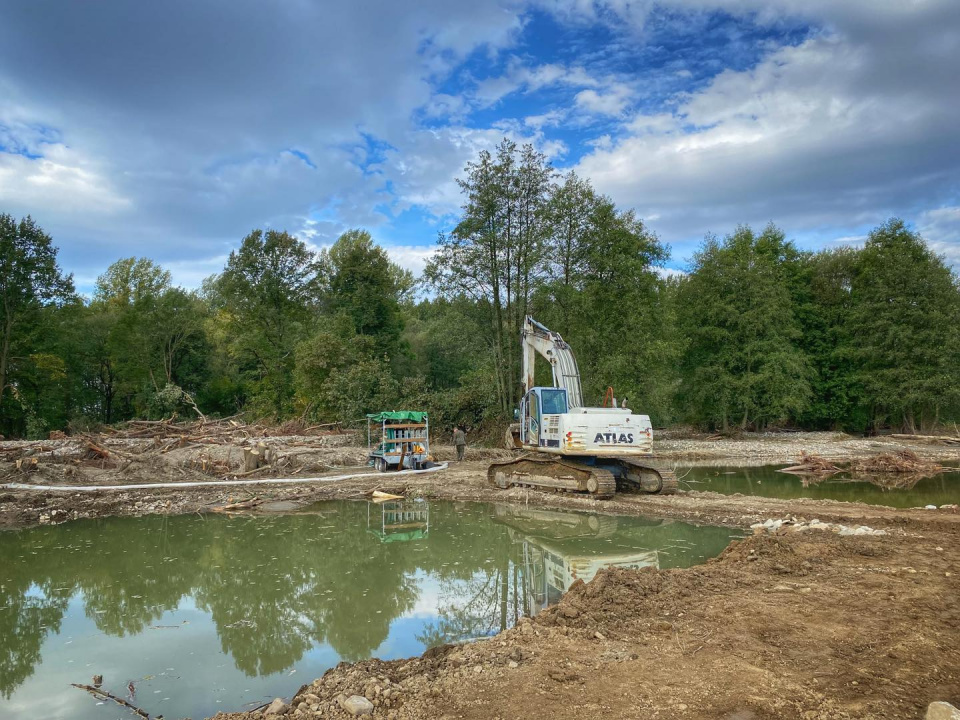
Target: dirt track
[798,625]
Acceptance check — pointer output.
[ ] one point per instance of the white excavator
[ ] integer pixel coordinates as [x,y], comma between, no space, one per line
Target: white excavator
[572,448]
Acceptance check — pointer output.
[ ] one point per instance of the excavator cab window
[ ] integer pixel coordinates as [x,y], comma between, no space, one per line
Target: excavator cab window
[554,402]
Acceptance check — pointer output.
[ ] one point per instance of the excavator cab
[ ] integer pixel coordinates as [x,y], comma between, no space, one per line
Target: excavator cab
[540,408]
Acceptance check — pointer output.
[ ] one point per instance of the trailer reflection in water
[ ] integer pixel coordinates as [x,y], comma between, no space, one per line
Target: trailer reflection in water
[399,520]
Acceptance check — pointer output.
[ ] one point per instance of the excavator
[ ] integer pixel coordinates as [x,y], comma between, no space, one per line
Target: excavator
[572,448]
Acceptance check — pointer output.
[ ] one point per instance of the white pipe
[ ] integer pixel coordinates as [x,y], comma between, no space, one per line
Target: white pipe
[212,483]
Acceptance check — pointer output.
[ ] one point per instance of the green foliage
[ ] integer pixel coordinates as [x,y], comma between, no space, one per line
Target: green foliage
[269,292]
[367,287]
[743,362]
[30,282]
[758,333]
[903,324]
[497,254]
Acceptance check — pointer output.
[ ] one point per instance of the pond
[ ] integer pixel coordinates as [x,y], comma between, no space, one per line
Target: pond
[767,481]
[201,614]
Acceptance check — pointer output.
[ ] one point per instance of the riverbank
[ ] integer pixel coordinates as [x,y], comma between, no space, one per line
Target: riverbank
[806,625]
[790,625]
[71,462]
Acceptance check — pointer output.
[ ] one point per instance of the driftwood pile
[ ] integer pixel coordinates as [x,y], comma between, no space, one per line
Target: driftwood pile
[215,432]
[145,442]
[901,462]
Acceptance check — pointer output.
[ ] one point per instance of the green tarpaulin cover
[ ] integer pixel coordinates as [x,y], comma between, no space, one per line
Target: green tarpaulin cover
[401,415]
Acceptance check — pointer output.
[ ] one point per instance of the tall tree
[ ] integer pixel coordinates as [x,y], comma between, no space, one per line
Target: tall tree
[496,255]
[30,279]
[269,291]
[903,321]
[367,286]
[743,363]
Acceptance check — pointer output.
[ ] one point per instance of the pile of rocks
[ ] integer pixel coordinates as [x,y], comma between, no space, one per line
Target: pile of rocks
[793,524]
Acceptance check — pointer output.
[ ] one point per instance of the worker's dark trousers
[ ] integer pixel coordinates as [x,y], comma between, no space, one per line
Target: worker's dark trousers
[461,449]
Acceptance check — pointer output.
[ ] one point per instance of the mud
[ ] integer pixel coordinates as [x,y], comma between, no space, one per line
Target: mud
[808,625]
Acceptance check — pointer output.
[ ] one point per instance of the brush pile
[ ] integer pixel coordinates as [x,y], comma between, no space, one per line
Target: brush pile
[166,449]
[904,463]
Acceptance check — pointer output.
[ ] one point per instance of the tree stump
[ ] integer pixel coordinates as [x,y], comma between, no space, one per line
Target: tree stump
[260,455]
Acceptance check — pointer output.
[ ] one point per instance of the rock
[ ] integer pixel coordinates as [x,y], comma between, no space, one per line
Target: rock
[942,711]
[569,612]
[513,664]
[277,707]
[357,705]
[526,629]
[929,507]
[600,636]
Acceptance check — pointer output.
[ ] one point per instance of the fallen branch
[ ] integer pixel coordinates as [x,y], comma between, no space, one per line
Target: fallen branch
[932,439]
[103,694]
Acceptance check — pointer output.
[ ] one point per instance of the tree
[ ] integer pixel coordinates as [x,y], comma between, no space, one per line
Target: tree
[131,281]
[30,280]
[367,286]
[496,255]
[903,323]
[737,312]
[571,212]
[827,279]
[269,292]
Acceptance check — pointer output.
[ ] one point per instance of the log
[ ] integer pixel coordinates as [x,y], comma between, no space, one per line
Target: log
[104,695]
[935,439]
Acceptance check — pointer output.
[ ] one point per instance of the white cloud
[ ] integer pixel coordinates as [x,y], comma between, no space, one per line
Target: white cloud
[612,102]
[63,178]
[840,131]
[941,229]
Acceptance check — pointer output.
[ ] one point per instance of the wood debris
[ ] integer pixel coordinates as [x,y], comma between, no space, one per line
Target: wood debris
[901,462]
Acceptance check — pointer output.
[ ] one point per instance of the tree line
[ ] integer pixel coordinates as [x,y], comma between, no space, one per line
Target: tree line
[757,333]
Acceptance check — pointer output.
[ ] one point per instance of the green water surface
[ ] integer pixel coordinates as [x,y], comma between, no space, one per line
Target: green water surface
[766,481]
[215,613]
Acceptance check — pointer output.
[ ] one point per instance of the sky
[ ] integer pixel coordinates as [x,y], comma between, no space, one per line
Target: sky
[171,129]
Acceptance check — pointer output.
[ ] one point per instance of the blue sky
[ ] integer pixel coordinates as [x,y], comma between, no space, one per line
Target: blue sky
[170,130]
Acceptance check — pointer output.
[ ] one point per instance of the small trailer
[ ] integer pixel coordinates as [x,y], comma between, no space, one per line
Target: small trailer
[402,440]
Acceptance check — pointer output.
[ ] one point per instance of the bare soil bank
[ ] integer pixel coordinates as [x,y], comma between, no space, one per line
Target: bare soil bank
[805,625]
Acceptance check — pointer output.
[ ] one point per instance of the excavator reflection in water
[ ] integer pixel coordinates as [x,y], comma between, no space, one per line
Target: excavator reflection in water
[553,549]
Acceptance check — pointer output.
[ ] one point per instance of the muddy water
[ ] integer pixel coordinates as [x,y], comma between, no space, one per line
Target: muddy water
[766,481]
[212,613]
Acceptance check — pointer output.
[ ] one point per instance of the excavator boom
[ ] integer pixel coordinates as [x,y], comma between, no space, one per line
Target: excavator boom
[537,339]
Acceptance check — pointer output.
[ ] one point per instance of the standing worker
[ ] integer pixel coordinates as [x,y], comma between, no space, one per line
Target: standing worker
[460,440]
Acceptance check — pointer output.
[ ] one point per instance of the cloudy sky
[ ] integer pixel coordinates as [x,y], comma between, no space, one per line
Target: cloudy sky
[170,129]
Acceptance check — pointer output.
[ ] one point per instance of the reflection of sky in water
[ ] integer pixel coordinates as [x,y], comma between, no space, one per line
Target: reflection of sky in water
[171,603]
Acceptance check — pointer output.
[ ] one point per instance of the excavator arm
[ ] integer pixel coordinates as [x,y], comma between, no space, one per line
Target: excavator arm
[537,339]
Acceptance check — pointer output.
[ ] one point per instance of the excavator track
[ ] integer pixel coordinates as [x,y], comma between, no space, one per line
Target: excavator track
[550,473]
[639,476]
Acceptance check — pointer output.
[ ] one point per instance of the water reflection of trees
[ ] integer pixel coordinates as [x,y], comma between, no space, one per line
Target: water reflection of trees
[276,586]
[273,586]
